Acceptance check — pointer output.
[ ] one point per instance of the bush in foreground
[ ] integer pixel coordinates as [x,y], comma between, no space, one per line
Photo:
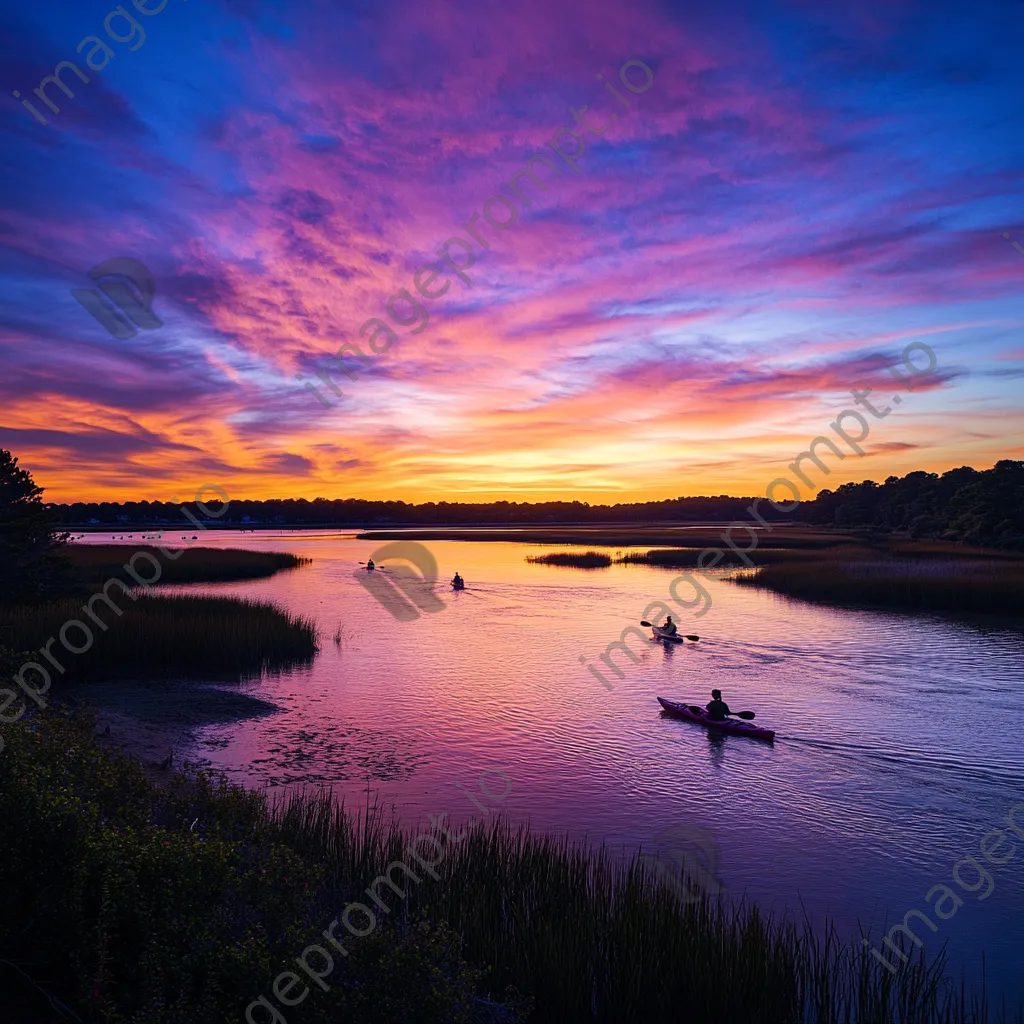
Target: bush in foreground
[127,903]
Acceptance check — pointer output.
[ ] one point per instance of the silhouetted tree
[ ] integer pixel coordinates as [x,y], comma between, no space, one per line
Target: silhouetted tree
[31,563]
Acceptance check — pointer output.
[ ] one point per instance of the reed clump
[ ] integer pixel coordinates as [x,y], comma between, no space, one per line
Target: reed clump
[582,560]
[154,637]
[93,564]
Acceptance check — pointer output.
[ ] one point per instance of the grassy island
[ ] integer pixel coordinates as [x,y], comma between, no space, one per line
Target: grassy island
[94,563]
[583,560]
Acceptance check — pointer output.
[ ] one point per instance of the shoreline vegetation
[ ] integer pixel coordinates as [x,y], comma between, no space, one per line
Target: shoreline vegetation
[197,636]
[129,935]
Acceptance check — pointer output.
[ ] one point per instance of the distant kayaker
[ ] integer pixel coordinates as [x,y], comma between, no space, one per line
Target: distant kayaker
[669,629]
[458,582]
[717,709]
[370,565]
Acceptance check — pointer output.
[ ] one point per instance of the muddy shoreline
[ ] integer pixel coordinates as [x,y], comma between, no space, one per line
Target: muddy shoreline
[157,722]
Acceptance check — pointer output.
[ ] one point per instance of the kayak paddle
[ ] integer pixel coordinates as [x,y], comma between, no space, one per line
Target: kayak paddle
[689,636]
[748,715]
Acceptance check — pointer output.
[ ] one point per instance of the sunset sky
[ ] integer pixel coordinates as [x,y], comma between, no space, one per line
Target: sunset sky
[803,189]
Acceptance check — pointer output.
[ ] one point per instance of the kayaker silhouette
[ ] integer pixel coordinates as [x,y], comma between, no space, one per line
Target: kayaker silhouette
[717,710]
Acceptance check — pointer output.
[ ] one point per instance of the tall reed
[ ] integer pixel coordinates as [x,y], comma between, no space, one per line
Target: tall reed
[586,937]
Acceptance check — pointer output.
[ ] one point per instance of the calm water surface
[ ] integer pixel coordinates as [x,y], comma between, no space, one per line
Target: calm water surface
[899,737]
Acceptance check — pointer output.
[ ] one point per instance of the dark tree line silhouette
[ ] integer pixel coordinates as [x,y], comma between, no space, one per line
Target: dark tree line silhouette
[983,507]
[360,512]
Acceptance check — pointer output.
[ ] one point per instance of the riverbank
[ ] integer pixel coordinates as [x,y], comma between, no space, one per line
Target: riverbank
[124,899]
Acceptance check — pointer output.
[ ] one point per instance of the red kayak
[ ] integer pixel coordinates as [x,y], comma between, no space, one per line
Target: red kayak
[736,727]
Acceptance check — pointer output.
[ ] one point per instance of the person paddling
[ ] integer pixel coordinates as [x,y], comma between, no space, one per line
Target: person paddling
[458,583]
[669,629]
[718,709]
[370,565]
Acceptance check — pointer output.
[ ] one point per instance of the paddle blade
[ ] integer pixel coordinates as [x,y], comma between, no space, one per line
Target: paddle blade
[689,636]
[748,715]
[644,622]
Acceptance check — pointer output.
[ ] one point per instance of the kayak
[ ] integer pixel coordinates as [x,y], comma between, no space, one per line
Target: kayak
[735,726]
[659,634]
[458,586]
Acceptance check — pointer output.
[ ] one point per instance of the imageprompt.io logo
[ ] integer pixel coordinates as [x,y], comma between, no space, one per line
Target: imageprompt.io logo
[123,298]
[687,861]
[401,589]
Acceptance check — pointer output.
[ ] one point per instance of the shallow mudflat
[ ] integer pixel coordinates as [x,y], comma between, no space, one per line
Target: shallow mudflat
[149,719]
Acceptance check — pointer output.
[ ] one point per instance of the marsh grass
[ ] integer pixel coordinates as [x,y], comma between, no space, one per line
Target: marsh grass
[583,936]
[584,560]
[198,636]
[96,563]
[180,904]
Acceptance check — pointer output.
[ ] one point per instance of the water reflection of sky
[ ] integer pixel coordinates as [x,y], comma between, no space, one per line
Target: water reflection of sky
[898,737]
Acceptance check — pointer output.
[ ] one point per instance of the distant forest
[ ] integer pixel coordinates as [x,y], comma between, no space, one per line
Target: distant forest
[984,507]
